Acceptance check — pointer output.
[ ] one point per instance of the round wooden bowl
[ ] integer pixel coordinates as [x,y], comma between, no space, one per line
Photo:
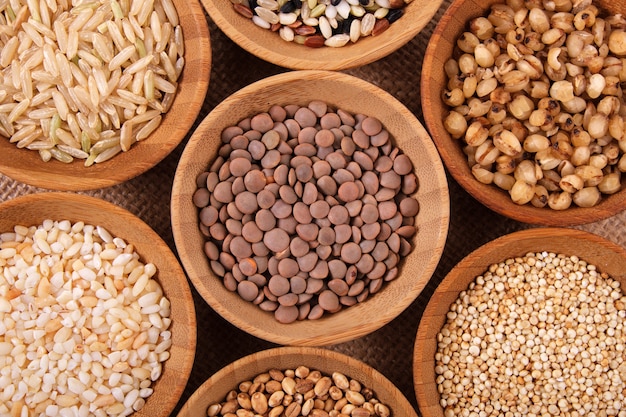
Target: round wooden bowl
[33,209]
[26,165]
[607,256]
[355,96]
[326,361]
[269,46]
[433,83]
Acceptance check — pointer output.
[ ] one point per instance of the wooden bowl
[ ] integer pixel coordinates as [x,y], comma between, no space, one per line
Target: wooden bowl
[326,361]
[609,258]
[433,83]
[269,46]
[33,209]
[355,96]
[26,165]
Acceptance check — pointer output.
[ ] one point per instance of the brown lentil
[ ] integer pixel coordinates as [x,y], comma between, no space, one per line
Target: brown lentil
[277,206]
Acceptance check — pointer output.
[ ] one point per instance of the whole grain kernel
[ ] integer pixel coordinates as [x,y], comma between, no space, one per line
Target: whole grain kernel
[286,211]
[59,329]
[545,317]
[536,75]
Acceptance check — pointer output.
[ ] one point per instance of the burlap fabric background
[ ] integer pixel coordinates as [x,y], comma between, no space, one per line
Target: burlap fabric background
[389,349]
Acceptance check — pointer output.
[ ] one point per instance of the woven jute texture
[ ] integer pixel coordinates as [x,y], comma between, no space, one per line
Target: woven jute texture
[388,349]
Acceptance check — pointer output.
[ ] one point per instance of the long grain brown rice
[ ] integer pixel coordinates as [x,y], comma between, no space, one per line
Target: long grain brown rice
[85,70]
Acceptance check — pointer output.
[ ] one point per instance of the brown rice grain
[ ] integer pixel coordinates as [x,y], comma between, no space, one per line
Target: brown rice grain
[73,152]
[8,52]
[126,136]
[108,154]
[144,12]
[68,62]
[164,85]
[22,133]
[18,110]
[72,44]
[28,140]
[33,34]
[40,145]
[170,11]
[60,155]
[148,128]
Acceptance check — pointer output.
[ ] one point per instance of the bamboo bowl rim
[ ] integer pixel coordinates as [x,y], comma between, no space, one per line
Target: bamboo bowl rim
[353,95]
[215,388]
[269,46]
[607,256]
[33,209]
[433,80]
[26,166]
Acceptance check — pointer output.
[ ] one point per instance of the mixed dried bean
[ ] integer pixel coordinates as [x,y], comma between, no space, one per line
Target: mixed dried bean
[307,210]
[318,23]
[300,392]
[543,334]
[534,92]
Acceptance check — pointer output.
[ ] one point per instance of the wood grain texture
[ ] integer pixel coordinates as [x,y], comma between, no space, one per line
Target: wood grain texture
[26,165]
[433,84]
[353,95]
[326,361]
[609,257]
[33,209]
[269,46]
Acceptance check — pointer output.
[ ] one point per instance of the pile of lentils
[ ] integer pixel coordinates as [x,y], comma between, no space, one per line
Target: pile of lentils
[539,335]
[300,392]
[307,210]
[318,23]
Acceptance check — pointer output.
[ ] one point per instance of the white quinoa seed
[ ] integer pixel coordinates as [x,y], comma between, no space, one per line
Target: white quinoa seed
[538,335]
[83,322]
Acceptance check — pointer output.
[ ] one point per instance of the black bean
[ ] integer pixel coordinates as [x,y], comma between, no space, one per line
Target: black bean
[253,5]
[394,14]
[288,7]
[345,24]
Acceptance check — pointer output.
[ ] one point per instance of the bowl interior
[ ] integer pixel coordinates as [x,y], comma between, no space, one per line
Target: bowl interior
[326,361]
[268,45]
[353,95]
[33,209]
[440,49]
[26,165]
[609,258]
